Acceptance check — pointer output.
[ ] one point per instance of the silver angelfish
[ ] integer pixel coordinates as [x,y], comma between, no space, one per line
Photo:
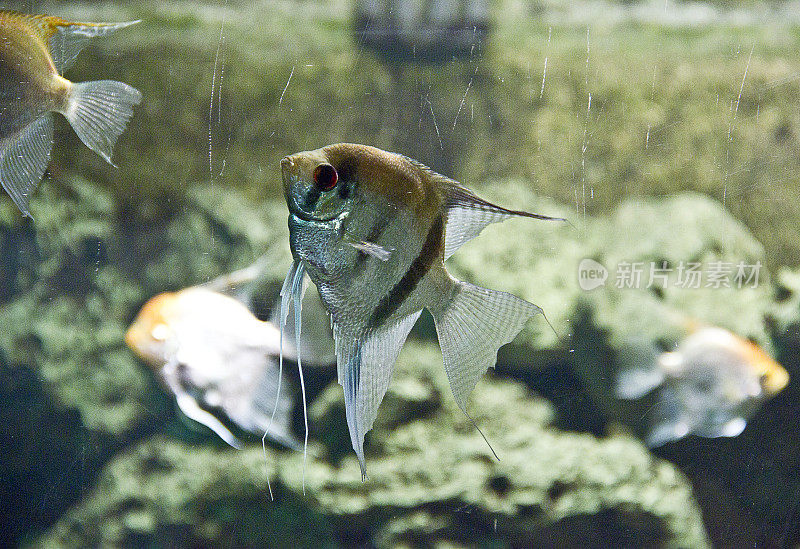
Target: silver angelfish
[373,229]
[219,361]
[710,385]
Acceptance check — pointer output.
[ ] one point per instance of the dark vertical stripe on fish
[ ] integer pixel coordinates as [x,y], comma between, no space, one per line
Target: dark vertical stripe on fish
[347,175]
[421,265]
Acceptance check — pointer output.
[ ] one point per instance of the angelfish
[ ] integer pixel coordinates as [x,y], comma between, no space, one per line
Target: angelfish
[372,229]
[709,385]
[34,51]
[218,360]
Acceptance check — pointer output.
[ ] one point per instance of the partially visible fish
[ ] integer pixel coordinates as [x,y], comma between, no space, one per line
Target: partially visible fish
[214,355]
[34,51]
[373,230]
[709,386]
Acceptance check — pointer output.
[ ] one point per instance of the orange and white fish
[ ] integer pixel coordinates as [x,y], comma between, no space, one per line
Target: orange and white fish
[34,51]
[373,229]
[215,356]
[709,386]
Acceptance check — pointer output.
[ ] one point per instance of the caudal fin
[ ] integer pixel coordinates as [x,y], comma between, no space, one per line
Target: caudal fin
[99,112]
[23,159]
[471,329]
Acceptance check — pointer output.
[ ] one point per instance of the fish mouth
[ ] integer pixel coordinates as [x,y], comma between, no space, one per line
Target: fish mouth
[297,212]
[301,215]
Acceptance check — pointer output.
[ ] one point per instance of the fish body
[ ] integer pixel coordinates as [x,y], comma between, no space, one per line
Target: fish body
[34,51]
[214,355]
[373,229]
[709,386]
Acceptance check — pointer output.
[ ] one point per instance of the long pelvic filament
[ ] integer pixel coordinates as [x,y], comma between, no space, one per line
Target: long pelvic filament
[297,295]
[282,322]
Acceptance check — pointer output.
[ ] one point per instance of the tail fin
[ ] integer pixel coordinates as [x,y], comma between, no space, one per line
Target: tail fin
[99,112]
[472,327]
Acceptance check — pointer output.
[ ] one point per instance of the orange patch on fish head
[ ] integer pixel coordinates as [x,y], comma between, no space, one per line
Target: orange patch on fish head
[151,328]
[772,376]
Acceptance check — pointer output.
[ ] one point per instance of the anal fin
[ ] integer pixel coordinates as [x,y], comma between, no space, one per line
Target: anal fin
[192,410]
[638,369]
[365,369]
[23,159]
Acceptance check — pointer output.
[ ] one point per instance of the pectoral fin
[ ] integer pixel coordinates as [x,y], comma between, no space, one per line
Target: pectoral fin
[370,248]
[365,369]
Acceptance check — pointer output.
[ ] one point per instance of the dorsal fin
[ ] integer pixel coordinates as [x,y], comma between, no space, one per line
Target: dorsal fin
[43,26]
[467,213]
[68,39]
[65,39]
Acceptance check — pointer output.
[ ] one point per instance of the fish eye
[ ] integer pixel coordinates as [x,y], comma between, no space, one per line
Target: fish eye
[325,177]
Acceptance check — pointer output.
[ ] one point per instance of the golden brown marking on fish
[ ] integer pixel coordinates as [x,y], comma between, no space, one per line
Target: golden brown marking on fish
[390,175]
[34,32]
[773,376]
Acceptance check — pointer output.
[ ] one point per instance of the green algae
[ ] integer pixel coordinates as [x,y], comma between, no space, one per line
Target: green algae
[425,475]
[669,109]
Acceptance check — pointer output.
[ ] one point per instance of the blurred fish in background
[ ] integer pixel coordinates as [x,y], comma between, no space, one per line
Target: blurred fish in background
[219,360]
[34,51]
[709,386]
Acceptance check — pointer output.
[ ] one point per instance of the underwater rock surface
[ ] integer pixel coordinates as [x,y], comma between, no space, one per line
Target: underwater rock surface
[99,434]
[143,477]
[78,277]
[432,480]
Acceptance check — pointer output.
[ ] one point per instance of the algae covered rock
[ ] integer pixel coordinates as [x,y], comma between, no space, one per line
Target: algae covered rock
[80,273]
[651,247]
[68,321]
[72,301]
[431,478]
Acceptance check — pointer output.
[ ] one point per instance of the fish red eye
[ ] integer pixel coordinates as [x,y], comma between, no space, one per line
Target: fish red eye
[325,177]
